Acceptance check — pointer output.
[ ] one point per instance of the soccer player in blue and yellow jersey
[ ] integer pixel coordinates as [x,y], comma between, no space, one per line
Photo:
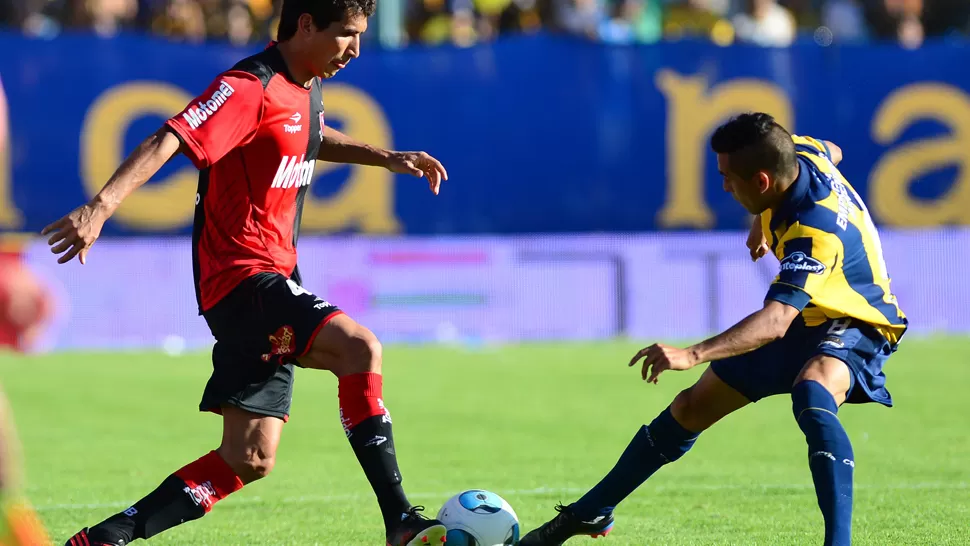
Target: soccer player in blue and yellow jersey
[828,324]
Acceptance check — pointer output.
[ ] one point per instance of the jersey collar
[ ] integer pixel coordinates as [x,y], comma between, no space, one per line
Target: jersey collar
[273,44]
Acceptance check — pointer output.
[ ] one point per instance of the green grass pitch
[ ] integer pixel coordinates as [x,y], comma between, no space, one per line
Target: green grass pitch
[537,424]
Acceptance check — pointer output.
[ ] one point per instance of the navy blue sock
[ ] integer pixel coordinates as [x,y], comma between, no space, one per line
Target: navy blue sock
[664,441]
[829,456]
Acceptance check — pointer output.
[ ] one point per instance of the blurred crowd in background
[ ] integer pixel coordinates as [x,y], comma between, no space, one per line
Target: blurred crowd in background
[467,22]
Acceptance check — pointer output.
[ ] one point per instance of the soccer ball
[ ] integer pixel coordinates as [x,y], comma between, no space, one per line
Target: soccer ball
[479,518]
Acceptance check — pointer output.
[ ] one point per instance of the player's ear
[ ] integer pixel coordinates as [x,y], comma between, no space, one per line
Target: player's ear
[763,180]
[306,23]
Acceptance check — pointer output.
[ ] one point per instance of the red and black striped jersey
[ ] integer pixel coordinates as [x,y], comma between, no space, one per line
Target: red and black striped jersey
[254,136]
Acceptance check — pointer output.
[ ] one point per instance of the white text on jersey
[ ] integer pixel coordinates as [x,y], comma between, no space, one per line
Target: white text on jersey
[296,127]
[195,115]
[293,172]
[842,218]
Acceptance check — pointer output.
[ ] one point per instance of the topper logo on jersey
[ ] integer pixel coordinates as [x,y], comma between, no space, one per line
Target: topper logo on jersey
[296,127]
[196,115]
[293,172]
[798,261]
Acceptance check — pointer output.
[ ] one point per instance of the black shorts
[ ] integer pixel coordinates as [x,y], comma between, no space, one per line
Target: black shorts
[261,328]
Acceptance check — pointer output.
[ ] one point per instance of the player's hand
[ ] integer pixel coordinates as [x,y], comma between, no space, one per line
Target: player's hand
[659,358]
[756,243]
[759,250]
[418,164]
[76,232]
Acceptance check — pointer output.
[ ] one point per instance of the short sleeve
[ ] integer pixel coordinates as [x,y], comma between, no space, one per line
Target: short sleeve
[811,144]
[223,117]
[807,257]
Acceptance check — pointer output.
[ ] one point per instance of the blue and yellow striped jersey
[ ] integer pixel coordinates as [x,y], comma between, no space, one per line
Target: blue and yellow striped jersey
[831,258]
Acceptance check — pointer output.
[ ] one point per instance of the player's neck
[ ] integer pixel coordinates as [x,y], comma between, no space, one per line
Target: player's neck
[292,58]
[781,187]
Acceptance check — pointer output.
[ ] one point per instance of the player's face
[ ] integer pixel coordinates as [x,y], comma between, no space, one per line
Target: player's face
[750,193]
[333,47]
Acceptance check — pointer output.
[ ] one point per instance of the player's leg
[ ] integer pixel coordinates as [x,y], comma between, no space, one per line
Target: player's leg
[668,437]
[246,454]
[354,354]
[249,442]
[726,386]
[818,392]
[663,441]
[845,366]
[252,395]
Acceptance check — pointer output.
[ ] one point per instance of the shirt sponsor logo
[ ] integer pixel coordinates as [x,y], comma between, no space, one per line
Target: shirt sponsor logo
[798,261]
[196,114]
[293,172]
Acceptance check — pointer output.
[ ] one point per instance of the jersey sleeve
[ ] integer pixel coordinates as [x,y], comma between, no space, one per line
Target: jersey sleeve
[807,258]
[223,117]
[806,143]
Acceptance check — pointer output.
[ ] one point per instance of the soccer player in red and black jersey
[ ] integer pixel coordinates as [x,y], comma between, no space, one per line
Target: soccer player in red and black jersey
[255,134]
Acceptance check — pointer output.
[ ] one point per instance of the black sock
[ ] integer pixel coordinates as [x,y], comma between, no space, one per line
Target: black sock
[373,443]
[184,496]
[163,508]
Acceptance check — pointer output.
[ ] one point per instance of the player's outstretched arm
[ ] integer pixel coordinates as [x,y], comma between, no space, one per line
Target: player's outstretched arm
[759,328]
[340,148]
[76,232]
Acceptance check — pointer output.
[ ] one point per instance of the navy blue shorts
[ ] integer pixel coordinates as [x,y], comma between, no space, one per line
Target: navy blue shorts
[772,369]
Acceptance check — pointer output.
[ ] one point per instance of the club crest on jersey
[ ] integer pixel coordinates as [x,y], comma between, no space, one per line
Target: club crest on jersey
[281,343]
[196,114]
[293,172]
[799,261]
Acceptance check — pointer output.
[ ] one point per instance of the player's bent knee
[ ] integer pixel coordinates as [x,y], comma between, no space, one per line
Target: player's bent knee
[830,372]
[250,463]
[706,402]
[365,352]
[686,411]
[344,347]
[249,442]
[680,407]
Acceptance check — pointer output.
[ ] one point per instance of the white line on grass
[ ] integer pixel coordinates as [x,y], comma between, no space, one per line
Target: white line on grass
[942,486]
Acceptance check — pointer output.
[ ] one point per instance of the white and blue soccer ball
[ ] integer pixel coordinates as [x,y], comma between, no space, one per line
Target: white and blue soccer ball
[479,518]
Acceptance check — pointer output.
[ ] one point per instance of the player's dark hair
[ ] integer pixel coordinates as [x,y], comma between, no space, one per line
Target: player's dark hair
[755,142]
[324,13]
